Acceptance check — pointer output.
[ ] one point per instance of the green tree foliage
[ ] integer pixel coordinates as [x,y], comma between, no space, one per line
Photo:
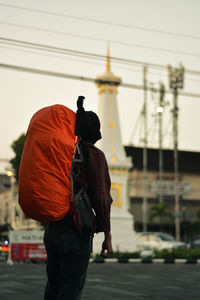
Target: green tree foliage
[17,147]
[161,211]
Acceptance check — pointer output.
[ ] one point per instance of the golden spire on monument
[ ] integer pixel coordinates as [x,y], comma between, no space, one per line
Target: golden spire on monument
[108,60]
[107,79]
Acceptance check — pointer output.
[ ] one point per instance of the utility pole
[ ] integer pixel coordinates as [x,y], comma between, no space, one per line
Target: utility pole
[176,82]
[160,110]
[144,206]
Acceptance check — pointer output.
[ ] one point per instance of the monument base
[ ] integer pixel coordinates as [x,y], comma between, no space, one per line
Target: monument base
[123,235]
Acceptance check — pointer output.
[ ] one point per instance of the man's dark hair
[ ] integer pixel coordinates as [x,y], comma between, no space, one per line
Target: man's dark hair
[87,123]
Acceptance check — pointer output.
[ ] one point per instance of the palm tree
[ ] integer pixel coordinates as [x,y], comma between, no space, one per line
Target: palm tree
[160,210]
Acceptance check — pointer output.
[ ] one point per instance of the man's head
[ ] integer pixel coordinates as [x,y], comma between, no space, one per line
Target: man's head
[87,123]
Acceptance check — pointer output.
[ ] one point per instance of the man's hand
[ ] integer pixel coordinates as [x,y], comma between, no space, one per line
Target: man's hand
[107,249]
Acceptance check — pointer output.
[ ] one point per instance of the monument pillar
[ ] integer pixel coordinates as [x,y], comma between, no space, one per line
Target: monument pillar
[122,223]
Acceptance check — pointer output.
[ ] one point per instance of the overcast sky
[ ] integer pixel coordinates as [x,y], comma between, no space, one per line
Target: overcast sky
[158,31]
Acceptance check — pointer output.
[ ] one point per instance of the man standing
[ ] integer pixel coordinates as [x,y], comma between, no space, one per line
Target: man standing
[68,251]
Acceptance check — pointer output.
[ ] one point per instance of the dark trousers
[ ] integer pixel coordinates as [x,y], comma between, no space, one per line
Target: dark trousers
[68,255]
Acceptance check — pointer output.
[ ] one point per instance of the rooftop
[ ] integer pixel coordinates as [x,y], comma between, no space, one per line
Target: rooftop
[188,162]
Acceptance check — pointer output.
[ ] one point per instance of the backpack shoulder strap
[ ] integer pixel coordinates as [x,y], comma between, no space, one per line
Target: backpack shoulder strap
[76,159]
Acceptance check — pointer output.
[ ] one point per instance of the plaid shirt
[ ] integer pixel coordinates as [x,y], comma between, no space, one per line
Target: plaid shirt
[99,187]
[97,179]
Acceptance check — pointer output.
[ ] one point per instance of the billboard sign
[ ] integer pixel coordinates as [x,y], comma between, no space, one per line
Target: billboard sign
[27,245]
[167,188]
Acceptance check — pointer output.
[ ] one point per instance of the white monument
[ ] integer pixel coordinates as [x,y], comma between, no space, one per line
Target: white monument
[122,228]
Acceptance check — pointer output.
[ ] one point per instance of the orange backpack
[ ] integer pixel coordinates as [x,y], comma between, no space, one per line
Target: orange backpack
[44,175]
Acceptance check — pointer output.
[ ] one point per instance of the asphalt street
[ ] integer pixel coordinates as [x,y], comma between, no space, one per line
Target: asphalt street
[108,281]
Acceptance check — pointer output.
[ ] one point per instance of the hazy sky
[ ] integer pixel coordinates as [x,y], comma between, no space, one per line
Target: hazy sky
[159,32]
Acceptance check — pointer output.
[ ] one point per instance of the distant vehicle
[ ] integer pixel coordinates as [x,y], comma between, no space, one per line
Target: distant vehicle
[158,241]
[195,242]
[4,250]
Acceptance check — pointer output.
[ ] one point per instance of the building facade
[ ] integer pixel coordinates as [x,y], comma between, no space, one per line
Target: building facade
[11,215]
[189,188]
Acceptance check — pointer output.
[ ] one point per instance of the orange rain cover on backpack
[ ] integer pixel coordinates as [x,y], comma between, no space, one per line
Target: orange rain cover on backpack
[44,175]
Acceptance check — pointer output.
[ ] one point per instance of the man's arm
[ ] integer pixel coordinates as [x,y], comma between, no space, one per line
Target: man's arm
[107,249]
[99,190]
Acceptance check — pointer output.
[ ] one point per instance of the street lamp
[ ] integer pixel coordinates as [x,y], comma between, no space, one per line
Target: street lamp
[9,173]
[176,82]
[160,110]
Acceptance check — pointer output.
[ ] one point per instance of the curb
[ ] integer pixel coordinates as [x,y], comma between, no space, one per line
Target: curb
[144,260]
[102,260]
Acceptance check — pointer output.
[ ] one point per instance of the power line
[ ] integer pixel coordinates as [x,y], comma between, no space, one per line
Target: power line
[59,50]
[44,72]
[102,22]
[102,39]
[62,51]
[81,61]
[74,52]
[71,59]
[83,78]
